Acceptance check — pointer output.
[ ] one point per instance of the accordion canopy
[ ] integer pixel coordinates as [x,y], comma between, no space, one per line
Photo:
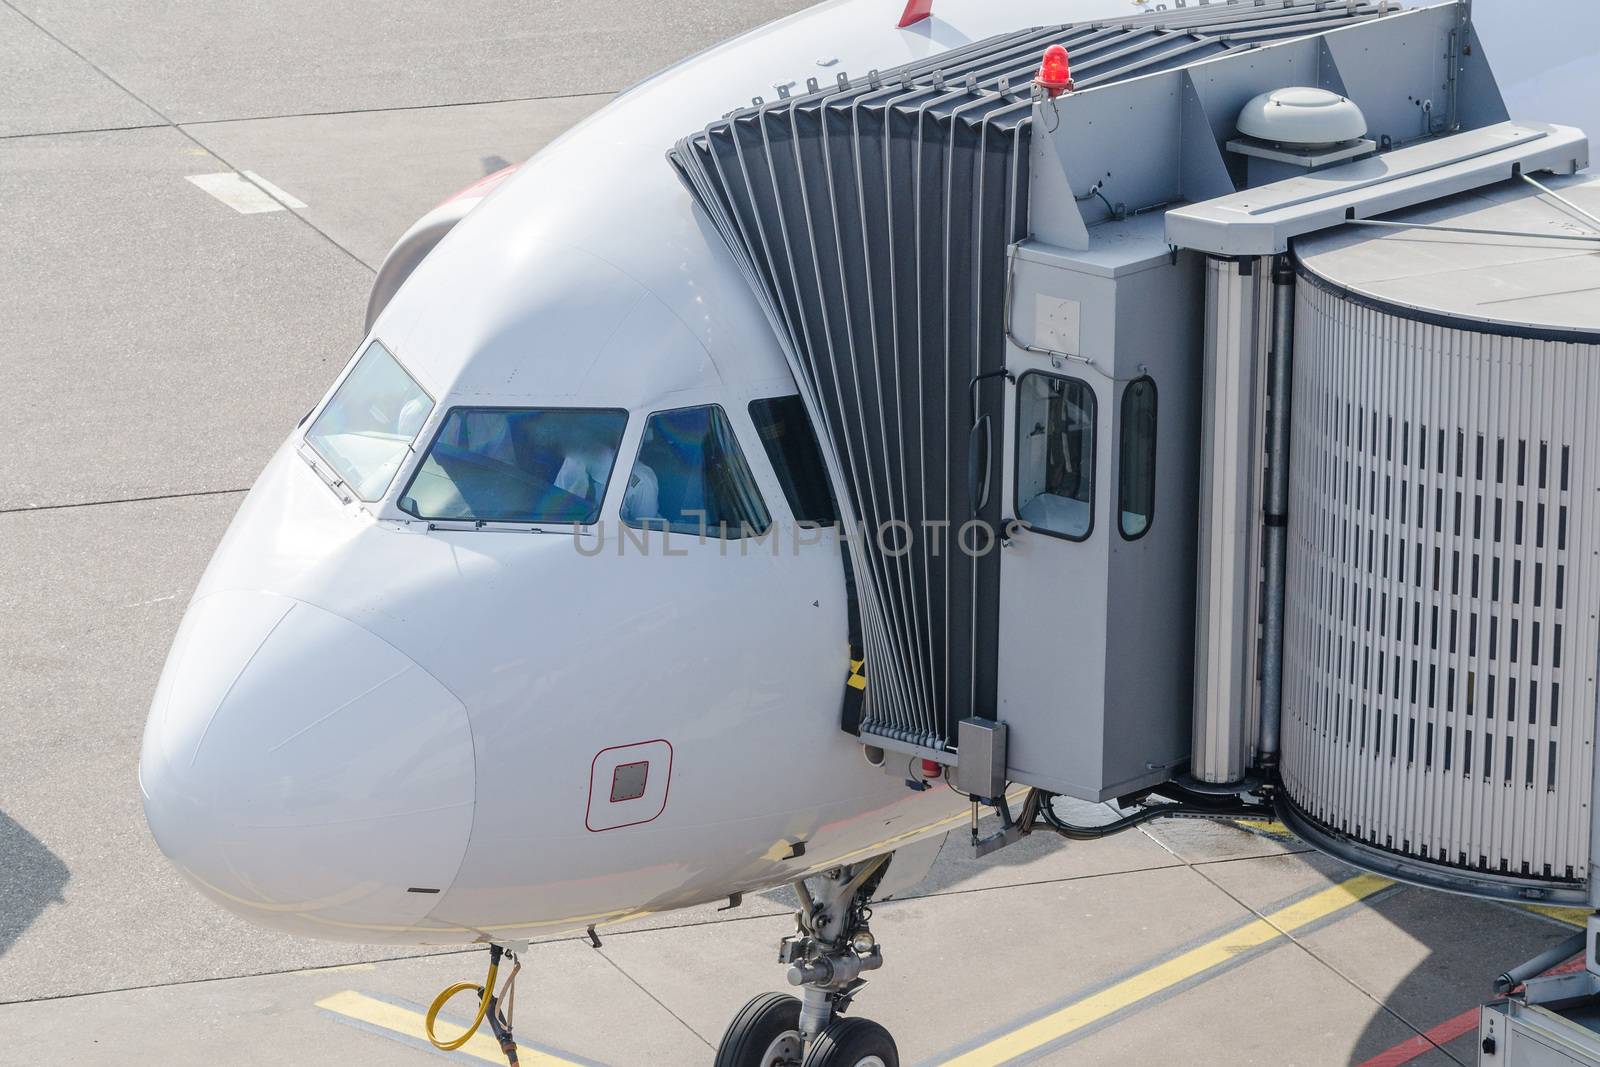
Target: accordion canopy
[873,218]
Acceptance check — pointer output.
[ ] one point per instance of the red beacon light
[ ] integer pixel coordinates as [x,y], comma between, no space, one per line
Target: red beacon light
[1055,72]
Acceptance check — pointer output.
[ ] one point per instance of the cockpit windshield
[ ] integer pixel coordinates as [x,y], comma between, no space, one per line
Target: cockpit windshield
[517,465]
[365,431]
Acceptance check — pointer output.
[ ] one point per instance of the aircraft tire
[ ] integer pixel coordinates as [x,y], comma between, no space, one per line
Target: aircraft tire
[765,1033]
[853,1043]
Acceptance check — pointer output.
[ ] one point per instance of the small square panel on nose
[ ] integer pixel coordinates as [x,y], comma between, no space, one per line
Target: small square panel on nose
[628,785]
[628,780]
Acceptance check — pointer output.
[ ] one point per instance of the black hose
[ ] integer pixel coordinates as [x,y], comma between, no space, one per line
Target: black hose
[1075,832]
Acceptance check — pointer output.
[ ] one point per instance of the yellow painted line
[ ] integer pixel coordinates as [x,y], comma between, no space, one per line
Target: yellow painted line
[1268,828]
[408,1023]
[1571,916]
[1165,975]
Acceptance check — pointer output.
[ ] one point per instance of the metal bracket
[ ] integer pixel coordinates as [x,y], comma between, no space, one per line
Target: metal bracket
[981,771]
[1010,830]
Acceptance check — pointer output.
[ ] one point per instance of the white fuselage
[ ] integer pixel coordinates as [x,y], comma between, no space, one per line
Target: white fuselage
[374,728]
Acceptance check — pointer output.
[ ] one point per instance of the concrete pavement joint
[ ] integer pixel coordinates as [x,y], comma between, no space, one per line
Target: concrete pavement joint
[121,500]
[292,211]
[640,986]
[1199,961]
[400,107]
[30,20]
[582,938]
[1294,939]
[213,980]
[91,129]
[184,128]
[1302,946]
[180,129]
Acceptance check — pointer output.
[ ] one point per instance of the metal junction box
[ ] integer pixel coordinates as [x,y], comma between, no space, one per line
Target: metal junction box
[1512,1033]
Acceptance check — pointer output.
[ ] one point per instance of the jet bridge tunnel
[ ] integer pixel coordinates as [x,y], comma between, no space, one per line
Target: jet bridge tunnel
[1250,383]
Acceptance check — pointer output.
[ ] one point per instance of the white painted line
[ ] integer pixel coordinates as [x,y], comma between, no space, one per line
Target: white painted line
[273,191]
[232,189]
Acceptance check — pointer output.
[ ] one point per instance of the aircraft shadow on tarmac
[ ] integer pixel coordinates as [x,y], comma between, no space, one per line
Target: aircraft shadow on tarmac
[1463,945]
[31,879]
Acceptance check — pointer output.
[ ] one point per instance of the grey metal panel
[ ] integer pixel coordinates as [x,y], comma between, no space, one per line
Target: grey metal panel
[1478,99]
[1440,696]
[1391,80]
[1512,1033]
[1511,256]
[1205,172]
[1150,634]
[1097,642]
[1228,579]
[1262,221]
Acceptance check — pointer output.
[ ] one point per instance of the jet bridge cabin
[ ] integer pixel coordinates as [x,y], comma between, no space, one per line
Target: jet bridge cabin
[1249,366]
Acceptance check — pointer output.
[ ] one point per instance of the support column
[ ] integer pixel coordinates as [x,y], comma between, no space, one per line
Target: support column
[1275,505]
[1227,587]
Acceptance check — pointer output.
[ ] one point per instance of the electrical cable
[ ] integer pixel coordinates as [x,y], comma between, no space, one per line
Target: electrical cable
[1075,832]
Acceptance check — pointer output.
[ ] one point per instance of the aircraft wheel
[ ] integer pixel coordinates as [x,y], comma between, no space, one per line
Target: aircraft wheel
[765,1033]
[853,1043]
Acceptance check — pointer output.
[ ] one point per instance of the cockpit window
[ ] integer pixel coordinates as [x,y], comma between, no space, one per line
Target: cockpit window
[517,465]
[365,431]
[691,477]
[786,434]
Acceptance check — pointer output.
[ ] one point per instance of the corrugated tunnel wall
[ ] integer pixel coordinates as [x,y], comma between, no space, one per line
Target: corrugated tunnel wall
[1439,685]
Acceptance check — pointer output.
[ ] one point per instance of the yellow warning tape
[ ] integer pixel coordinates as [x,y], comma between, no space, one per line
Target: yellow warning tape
[858,674]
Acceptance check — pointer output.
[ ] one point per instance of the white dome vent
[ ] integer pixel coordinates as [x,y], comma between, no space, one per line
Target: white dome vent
[1302,117]
[1292,130]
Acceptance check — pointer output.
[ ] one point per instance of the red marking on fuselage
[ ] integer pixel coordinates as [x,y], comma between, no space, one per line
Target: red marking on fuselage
[483,186]
[916,11]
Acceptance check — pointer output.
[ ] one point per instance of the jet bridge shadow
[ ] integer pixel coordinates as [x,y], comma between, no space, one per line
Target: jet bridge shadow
[31,879]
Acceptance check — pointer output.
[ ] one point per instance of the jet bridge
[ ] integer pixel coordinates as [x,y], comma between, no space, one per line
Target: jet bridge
[1256,371]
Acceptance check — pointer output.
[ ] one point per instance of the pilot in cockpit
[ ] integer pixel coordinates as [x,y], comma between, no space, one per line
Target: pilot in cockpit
[587,466]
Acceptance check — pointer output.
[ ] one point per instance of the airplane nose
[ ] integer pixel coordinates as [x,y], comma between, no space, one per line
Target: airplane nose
[305,773]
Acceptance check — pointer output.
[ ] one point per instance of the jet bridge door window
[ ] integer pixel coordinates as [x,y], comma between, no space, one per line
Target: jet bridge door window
[1136,477]
[534,465]
[1055,455]
[691,477]
[785,431]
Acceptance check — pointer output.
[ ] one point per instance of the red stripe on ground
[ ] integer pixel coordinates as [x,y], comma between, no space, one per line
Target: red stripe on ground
[1447,1031]
[1412,1047]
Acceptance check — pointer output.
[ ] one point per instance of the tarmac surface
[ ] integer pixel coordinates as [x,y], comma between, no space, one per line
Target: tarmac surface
[156,343]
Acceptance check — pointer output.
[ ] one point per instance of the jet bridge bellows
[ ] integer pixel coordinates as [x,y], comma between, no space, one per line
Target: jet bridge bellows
[874,216]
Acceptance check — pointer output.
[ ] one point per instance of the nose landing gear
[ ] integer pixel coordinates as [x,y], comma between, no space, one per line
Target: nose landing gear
[826,958]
